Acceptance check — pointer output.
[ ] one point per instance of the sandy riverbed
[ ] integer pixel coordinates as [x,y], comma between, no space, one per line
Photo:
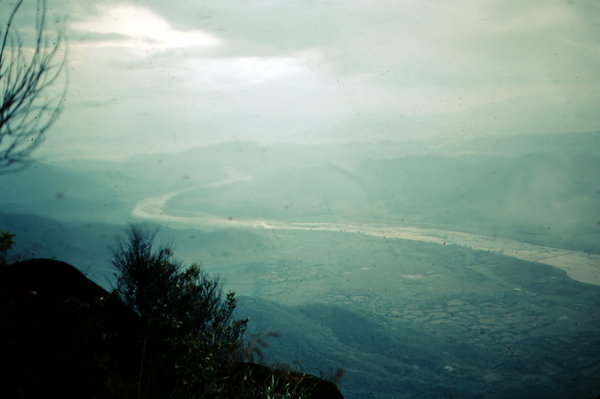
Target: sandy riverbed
[578,265]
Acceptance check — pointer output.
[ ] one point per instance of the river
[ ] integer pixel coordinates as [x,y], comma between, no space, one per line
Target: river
[579,266]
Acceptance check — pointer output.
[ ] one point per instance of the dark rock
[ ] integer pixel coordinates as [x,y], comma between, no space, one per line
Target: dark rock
[254,375]
[51,279]
[59,331]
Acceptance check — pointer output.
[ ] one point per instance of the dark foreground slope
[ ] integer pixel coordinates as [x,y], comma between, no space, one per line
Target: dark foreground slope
[65,336]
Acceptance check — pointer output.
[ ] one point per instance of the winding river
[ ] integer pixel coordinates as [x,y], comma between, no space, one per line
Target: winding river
[578,265]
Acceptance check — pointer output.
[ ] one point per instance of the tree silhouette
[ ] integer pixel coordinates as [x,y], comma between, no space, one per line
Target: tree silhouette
[191,335]
[28,107]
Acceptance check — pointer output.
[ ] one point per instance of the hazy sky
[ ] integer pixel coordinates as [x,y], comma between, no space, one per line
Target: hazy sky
[153,76]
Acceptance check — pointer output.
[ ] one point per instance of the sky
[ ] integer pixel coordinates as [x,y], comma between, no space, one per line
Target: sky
[409,76]
[151,76]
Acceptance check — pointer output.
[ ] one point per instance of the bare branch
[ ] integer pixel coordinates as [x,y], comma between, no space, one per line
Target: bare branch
[28,107]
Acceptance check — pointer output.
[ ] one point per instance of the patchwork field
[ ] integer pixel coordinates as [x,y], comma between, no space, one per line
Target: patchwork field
[414,319]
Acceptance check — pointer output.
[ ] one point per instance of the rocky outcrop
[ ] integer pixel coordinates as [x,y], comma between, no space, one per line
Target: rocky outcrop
[315,387]
[60,331]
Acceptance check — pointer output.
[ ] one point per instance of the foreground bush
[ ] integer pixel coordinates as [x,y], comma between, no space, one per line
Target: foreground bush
[6,244]
[190,339]
[192,346]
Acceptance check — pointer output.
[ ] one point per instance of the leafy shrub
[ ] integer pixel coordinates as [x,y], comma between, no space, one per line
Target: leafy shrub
[190,338]
[6,243]
[192,346]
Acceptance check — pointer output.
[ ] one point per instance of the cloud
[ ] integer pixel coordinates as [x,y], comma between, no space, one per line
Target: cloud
[140,28]
[273,71]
